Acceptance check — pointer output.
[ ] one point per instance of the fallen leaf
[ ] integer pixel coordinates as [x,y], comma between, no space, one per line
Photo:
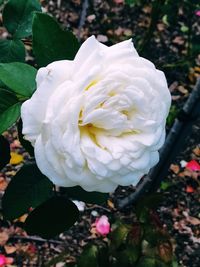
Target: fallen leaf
[10,249]
[110,204]
[22,218]
[183,163]
[175,168]
[3,184]
[119,1]
[3,238]
[178,40]
[16,158]
[102,38]
[182,89]
[15,144]
[193,220]
[189,189]
[196,151]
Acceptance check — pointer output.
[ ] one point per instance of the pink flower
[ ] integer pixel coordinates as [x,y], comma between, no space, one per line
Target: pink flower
[193,165]
[119,1]
[4,260]
[197,13]
[102,225]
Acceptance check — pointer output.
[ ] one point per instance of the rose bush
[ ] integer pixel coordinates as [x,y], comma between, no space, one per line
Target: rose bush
[97,121]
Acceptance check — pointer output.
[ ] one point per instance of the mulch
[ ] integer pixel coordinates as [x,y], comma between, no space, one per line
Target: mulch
[180,209]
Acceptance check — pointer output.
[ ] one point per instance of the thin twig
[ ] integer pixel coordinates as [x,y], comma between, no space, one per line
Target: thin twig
[36,239]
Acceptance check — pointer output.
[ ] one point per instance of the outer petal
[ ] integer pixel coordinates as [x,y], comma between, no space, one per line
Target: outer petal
[33,111]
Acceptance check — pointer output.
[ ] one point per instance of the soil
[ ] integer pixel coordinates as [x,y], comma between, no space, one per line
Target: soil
[180,209]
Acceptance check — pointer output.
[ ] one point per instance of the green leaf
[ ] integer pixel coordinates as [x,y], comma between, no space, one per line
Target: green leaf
[26,144]
[4,152]
[89,257]
[148,262]
[119,235]
[12,51]
[52,217]
[18,16]
[128,256]
[19,77]
[9,109]
[150,201]
[28,188]
[78,193]
[50,42]
[131,2]
[165,185]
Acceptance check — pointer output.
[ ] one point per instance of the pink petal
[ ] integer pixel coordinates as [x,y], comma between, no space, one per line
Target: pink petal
[119,1]
[2,260]
[9,260]
[102,225]
[197,13]
[193,165]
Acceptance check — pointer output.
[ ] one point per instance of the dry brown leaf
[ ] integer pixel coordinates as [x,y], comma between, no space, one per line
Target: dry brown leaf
[22,218]
[196,151]
[3,184]
[175,168]
[147,9]
[182,89]
[193,220]
[110,204]
[179,40]
[161,27]
[10,249]
[16,158]
[3,238]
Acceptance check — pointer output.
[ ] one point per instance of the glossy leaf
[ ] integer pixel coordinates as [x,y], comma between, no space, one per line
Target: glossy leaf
[19,77]
[89,257]
[4,152]
[50,42]
[119,235]
[52,217]
[28,188]
[11,51]
[128,256]
[18,16]
[151,262]
[9,109]
[147,202]
[78,193]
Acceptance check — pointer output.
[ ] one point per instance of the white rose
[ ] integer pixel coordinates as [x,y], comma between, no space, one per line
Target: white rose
[99,120]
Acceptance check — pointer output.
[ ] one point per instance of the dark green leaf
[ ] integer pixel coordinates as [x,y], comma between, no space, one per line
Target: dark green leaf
[52,217]
[89,257]
[50,42]
[128,256]
[119,235]
[147,202]
[151,234]
[11,51]
[104,256]
[18,16]
[4,152]
[26,144]
[165,185]
[78,193]
[9,109]
[151,262]
[28,188]
[19,77]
